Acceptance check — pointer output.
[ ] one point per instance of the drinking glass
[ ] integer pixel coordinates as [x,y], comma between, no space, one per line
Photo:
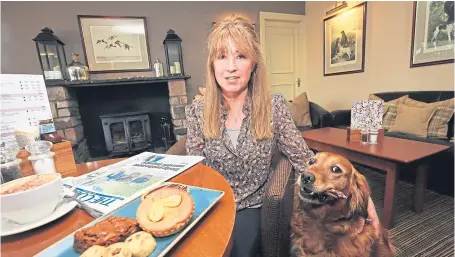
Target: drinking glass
[373,137]
[364,137]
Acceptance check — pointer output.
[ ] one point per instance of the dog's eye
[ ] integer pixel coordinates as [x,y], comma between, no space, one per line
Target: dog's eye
[336,169]
[311,161]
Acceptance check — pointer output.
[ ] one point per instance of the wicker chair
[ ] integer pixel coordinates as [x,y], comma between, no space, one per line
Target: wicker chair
[276,207]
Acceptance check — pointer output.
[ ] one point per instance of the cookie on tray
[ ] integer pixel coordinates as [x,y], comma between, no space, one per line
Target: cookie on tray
[166,210]
[141,244]
[119,250]
[95,251]
[107,232]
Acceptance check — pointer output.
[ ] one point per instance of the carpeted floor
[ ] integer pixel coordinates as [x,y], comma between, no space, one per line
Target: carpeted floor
[430,233]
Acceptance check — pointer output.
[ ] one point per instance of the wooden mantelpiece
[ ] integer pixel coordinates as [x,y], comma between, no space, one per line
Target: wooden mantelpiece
[114,82]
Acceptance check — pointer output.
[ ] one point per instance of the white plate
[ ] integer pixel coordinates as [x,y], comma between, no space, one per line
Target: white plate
[10,228]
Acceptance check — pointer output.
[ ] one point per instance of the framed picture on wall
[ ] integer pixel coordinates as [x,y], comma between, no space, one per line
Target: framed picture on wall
[432,33]
[115,44]
[344,41]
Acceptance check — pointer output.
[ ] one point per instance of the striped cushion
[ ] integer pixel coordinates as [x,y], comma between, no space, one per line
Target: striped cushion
[439,122]
[390,110]
[394,101]
[390,114]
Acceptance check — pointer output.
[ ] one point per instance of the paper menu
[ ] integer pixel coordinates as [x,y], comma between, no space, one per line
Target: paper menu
[367,114]
[23,102]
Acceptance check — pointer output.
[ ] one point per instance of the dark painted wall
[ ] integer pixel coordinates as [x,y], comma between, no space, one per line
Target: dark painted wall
[22,21]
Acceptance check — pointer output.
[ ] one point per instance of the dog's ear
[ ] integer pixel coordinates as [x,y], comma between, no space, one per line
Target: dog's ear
[360,194]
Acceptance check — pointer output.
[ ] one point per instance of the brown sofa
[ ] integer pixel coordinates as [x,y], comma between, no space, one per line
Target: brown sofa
[441,177]
[276,207]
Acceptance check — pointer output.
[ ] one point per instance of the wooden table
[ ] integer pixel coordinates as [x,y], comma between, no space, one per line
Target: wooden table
[392,155]
[212,236]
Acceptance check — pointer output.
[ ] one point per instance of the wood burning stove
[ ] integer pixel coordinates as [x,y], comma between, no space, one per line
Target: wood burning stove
[127,132]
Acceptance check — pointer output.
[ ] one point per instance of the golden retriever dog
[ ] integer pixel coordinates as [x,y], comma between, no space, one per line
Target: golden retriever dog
[331,217]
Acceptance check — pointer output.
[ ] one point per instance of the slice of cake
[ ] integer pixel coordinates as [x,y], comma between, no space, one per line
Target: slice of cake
[109,231]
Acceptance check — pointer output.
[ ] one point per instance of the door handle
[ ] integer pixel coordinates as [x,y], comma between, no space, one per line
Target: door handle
[298,82]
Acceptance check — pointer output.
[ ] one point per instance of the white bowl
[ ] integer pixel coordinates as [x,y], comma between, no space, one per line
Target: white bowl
[33,204]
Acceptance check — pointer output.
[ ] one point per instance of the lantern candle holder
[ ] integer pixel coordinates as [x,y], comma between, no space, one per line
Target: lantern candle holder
[174,57]
[51,55]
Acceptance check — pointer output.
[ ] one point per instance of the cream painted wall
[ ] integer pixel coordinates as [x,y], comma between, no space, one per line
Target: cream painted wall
[387,58]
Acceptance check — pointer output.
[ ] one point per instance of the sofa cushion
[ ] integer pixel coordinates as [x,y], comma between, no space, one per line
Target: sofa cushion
[394,101]
[413,120]
[300,110]
[439,123]
[423,96]
[388,118]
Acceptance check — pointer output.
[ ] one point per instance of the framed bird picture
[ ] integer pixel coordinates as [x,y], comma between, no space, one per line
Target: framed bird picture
[432,33]
[115,44]
[344,41]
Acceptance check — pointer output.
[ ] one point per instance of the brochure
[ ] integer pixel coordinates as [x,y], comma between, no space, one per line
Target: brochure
[111,186]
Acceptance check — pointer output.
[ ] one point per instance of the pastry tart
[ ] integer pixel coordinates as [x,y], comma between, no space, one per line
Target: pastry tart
[166,210]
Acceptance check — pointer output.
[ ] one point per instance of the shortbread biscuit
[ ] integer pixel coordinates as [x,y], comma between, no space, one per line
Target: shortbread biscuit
[95,251]
[165,211]
[141,244]
[118,250]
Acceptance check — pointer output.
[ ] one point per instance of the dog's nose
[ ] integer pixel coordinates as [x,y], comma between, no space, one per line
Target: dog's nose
[308,178]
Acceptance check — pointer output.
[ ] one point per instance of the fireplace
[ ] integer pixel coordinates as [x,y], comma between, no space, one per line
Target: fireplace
[84,111]
[127,132]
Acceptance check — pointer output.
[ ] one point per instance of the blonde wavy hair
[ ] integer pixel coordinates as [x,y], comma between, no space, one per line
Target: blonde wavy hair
[242,33]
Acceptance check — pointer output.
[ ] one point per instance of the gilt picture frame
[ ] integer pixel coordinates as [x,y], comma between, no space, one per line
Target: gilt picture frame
[432,33]
[344,41]
[115,43]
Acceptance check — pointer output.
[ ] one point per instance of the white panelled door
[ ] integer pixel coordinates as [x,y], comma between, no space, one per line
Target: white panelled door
[283,45]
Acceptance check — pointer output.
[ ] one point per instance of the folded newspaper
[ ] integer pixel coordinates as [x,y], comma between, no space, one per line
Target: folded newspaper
[111,186]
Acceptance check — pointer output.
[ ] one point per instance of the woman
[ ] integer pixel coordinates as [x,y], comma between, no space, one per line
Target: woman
[238,125]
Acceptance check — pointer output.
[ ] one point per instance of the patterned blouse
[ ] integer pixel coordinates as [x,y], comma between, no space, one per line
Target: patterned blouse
[247,167]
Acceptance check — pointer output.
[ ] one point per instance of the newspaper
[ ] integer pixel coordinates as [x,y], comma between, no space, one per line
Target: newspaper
[111,186]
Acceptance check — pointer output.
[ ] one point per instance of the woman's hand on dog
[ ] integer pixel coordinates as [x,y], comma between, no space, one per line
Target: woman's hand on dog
[374,217]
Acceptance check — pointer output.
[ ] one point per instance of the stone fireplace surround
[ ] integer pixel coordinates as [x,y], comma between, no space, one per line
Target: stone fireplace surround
[65,109]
